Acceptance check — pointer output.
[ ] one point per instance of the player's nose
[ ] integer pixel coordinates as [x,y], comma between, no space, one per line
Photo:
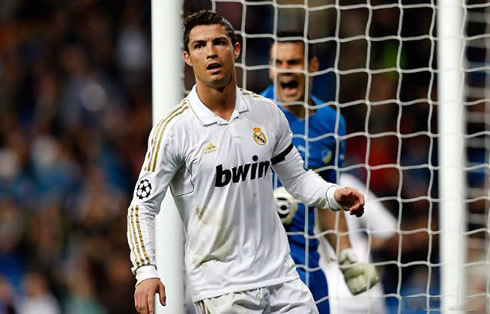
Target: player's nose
[211,51]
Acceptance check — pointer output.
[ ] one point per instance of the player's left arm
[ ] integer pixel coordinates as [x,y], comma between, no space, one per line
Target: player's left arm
[306,185]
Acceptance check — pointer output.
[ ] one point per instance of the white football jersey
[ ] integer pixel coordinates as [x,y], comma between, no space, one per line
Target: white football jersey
[219,173]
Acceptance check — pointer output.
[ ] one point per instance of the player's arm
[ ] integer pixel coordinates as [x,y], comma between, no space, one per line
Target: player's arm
[313,190]
[335,223]
[335,227]
[358,276]
[310,188]
[379,222]
[158,169]
[306,185]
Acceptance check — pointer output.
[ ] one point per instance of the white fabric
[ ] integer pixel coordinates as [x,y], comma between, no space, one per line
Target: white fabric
[289,297]
[378,222]
[219,173]
[332,201]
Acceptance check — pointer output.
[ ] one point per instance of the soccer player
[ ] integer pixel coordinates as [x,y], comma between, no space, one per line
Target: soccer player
[381,227]
[215,150]
[291,89]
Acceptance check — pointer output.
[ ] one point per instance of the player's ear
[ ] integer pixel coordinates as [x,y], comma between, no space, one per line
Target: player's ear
[313,65]
[272,71]
[272,63]
[187,58]
[237,48]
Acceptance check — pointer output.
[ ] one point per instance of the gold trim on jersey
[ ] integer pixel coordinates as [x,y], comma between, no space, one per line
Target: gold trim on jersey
[132,243]
[181,111]
[202,307]
[157,136]
[152,142]
[137,253]
[136,214]
[249,93]
[151,149]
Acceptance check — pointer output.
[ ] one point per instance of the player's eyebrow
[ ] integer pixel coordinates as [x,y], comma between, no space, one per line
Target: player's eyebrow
[203,40]
[291,61]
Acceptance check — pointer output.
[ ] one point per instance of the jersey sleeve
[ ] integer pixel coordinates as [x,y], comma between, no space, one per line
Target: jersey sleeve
[287,163]
[284,136]
[161,163]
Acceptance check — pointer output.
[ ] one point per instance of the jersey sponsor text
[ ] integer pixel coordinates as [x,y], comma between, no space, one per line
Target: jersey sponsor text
[240,173]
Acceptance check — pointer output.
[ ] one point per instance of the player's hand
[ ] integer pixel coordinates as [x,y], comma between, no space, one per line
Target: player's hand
[351,200]
[144,295]
[359,277]
[286,205]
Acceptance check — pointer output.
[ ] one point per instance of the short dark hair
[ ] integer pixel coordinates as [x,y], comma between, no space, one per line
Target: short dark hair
[288,37]
[205,17]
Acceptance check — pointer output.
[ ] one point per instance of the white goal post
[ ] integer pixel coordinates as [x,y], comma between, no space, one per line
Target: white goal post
[166,92]
[457,227]
[452,182]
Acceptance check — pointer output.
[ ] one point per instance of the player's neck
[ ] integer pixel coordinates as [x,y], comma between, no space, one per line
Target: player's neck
[221,101]
[299,110]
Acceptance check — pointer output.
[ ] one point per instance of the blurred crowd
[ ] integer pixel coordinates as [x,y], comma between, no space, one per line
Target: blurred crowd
[75,113]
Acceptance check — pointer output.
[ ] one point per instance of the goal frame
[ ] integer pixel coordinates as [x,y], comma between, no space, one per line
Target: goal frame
[167,68]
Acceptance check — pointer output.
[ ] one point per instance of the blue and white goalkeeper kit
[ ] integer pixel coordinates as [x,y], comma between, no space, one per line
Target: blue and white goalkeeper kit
[219,173]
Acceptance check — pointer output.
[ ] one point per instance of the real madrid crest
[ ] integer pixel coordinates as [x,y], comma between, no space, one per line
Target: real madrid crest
[259,136]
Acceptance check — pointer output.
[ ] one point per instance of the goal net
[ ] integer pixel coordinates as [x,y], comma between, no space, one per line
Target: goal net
[379,68]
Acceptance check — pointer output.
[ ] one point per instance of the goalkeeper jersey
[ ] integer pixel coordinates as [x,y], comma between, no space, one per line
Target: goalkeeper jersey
[323,151]
[219,174]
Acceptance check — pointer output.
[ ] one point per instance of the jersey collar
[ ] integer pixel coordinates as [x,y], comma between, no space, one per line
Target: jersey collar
[206,116]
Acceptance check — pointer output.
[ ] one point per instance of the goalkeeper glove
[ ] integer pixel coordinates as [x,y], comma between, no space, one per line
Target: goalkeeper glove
[359,277]
[286,205]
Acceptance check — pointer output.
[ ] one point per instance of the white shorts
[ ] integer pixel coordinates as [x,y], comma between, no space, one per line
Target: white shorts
[289,297]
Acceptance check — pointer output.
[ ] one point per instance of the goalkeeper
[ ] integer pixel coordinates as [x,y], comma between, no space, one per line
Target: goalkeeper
[287,71]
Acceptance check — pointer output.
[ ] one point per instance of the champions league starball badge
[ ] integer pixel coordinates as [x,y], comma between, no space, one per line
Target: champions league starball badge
[143,189]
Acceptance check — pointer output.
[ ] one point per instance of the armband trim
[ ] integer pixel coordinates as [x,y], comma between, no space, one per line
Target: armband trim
[282,155]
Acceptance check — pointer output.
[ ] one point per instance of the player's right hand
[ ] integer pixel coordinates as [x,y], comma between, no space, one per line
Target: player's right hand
[351,200]
[286,205]
[144,295]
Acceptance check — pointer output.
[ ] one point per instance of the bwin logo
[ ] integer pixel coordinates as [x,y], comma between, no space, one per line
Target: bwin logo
[239,173]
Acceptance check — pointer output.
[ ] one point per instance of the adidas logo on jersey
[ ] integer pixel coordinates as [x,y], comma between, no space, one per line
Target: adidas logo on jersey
[249,171]
[210,147]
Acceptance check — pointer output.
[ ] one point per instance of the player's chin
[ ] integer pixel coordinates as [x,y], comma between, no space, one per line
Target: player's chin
[218,81]
[289,98]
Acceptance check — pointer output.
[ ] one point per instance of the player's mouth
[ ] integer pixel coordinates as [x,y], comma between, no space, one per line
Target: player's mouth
[289,84]
[214,67]
[289,87]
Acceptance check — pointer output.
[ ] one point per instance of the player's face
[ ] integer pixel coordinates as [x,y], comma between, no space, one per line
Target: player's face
[212,55]
[287,70]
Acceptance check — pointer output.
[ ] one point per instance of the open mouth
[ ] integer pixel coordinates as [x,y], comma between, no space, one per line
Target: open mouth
[213,66]
[290,84]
